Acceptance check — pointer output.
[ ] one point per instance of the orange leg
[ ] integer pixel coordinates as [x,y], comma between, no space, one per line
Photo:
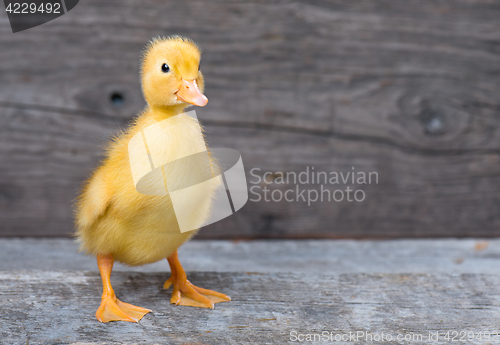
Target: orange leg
[186,293]
[112,309]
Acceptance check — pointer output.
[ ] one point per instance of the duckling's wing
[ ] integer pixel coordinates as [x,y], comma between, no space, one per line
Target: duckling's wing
[93,202]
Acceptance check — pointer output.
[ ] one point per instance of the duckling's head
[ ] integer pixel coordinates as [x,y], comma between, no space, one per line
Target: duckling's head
[171,73]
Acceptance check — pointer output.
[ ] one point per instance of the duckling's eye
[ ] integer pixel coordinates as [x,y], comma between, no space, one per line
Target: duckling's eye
[165,68]
[199,67]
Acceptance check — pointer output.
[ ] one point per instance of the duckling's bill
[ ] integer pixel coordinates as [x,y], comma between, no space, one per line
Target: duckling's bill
[190,93]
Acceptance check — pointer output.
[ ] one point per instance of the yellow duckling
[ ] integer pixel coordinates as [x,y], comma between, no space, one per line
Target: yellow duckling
[113,220]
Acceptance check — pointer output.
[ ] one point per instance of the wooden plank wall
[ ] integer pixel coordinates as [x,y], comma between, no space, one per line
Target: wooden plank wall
[407,89]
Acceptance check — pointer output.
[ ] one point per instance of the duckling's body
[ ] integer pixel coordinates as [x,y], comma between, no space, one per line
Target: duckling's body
[136,229]
[114,221]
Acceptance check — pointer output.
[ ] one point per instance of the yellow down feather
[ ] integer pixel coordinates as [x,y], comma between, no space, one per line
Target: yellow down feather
[111,216]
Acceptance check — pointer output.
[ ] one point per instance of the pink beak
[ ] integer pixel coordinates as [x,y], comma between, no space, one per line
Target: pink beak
[190,93]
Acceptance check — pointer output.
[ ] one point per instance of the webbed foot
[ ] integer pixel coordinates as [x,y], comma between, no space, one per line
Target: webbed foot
[185,293]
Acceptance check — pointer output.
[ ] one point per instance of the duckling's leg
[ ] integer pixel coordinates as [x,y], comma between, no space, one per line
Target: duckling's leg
[112,309]
[186,293]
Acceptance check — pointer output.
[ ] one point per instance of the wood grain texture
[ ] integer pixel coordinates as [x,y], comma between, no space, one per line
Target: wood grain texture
[406,89]
[54,307]
[434,256]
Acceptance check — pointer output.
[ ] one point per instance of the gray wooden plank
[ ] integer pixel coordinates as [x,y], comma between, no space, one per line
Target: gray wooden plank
[58,307]
[408,90]
[437,256]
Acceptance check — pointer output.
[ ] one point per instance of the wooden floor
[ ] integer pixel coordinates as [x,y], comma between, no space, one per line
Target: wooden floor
[282,291]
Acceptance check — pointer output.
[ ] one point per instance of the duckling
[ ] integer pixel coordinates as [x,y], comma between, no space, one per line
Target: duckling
[113,220]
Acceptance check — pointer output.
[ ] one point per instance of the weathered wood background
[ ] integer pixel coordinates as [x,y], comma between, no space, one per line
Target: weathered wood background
[408,89]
